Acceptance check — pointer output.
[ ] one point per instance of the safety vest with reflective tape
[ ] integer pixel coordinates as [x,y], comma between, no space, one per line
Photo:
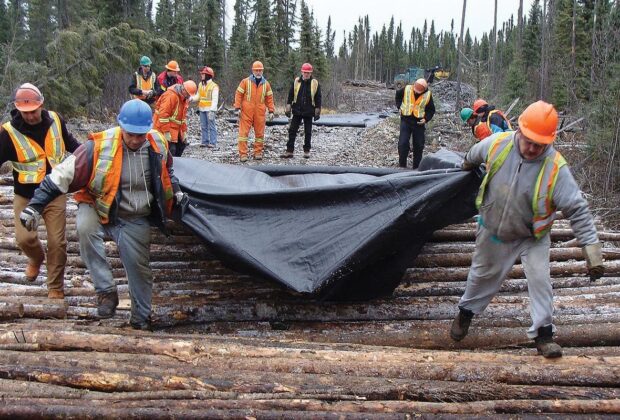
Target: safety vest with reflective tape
[31,165]
[148,84]
[205,91]
[413,106]
[173,117]
[542,200]
[314,86]
[483,129]
[248,89]
[107,166]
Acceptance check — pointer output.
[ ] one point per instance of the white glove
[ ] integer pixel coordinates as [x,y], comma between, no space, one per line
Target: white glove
[179,196]
[148,93]
[210,115]
[270,116]
[30,218]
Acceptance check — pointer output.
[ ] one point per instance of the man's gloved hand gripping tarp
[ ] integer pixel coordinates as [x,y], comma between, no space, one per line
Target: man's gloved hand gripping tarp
[345,233]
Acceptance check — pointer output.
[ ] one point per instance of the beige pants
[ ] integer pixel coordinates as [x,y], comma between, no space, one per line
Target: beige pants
[55,220]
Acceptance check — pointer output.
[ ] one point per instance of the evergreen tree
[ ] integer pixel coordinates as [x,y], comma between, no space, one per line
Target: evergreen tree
[240,53]
[41,27]
[330,36]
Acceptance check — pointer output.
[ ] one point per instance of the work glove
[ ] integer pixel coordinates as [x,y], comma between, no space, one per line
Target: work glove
[29,218]
[270,117]
[422,121]
[287,111]
[197,111]
[180,197]
[168,136]
[147,93]
[211,115]
[317,114]
[593,254]
[468,166]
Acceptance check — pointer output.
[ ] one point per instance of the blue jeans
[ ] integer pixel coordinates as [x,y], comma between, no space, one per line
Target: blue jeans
[208,131]
[133,239]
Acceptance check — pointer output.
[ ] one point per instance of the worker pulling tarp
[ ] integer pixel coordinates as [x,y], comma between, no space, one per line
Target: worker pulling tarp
[341,233]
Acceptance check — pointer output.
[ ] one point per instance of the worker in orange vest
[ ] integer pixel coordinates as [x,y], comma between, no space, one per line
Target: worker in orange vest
[170,115]
[143,82]
[36,140]
[485,120]
[252,99]
[169,77]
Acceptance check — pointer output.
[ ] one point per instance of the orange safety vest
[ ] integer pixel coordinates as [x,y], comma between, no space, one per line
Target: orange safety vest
[413,106]
[542,200]
[314,86]
[142,84]
[107,166]
[31,165]
[205,92]
[248,89]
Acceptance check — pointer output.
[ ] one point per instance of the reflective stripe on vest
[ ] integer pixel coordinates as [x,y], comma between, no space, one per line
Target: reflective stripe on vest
[205,91]
[107,167]
[31,164]
[497,111]
[173,117]
[314,86]
[412,106]
[542,204]
[248,90]
[142,84]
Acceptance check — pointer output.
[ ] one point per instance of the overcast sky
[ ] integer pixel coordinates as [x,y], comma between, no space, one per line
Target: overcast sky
[345,14]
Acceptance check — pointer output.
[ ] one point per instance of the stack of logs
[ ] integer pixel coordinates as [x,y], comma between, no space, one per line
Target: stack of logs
[229,345]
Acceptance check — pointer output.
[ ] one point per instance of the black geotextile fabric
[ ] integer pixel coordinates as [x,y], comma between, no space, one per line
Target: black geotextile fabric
[336,232]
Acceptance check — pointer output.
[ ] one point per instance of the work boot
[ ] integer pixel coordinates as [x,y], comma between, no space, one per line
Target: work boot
[286,155]
[258,156]
[545,344]
[460,325]
[145,325]
[55,294]
[106,304]
[243,158]
[306,154]
[32,270]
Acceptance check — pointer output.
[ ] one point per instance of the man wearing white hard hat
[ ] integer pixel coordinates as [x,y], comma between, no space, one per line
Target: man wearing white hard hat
[35,141]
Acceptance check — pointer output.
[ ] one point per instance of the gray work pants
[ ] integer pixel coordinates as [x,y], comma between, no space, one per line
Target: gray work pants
[133,239]
[491,263]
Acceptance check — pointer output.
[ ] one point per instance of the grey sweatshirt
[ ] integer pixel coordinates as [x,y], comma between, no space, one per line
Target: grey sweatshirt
[507,206]
[136,196]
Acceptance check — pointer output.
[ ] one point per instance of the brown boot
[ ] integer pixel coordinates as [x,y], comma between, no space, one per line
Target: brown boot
[258,156]
[32,270]
[460,325]
[545,344]
[55,294]
[286,155]
[106,304]
[243,158]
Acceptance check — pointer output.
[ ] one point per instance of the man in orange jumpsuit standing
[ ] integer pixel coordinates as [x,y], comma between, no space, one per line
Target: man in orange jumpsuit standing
[253,98]
[170,111]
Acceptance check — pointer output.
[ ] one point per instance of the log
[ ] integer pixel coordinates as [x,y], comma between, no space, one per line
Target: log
[35,307]
[10,310]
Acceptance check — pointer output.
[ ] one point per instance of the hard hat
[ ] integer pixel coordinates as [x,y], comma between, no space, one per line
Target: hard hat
[466,114]
[135,117]
[539,122]
[306,67]
[207,70]
[173,66]
[257,65]
[190,87]
[27,98]
[145,61]
[479,103]
[420,86]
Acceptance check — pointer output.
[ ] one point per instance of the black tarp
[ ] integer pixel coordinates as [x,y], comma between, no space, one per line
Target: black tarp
[342,233]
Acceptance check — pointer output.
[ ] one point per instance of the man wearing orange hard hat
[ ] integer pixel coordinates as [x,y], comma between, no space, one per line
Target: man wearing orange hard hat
[526,181]
[169,77]
[170,117]
[253,99]
[35,141]
[416,110]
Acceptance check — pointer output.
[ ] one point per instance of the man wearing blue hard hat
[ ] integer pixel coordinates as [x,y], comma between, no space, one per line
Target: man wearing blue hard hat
[124,182]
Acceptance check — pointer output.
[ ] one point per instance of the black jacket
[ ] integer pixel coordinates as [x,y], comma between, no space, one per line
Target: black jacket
[429,109]
[37,133]
[303,106]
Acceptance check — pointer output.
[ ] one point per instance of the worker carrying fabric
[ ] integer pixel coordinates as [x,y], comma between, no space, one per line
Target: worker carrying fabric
[303,103]
[207,98]
[253,99]
[169,77]
[34,141]
[416,110]
[143,82]
[124,182]
[485,120]
[170,115]
[527,180]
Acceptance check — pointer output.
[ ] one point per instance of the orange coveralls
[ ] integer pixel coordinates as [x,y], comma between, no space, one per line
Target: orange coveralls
[253,100]
[170,114]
